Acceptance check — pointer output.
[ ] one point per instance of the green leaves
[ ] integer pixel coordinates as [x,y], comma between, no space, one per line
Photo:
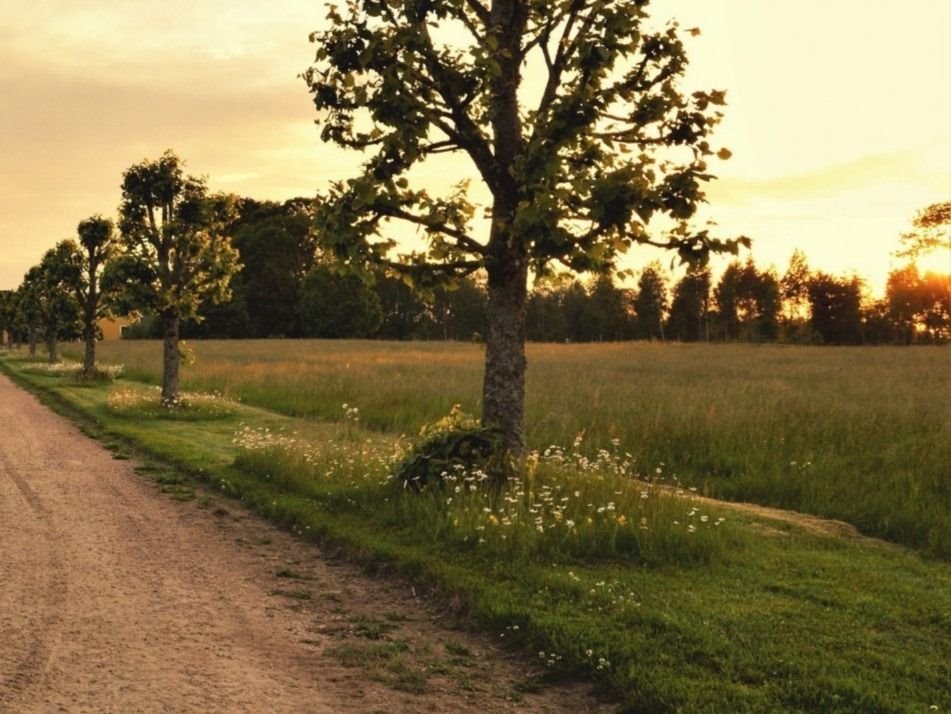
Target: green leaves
[47,296]
[174,254]
[576,172]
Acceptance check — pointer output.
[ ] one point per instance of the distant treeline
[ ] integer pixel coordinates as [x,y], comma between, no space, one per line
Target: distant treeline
[285,289]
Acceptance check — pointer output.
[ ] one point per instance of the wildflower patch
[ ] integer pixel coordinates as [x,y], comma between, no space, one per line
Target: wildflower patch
[137,402]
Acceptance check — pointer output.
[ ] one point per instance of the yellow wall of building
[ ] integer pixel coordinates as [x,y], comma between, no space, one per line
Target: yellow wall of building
[112,327]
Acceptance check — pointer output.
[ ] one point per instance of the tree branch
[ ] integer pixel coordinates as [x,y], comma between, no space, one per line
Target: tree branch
[468,135]
[465,267]
[566,49]
[464,239]
[480,11]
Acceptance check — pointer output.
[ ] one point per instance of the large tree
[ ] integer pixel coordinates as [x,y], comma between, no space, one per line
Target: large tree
[174,252]
[905,302]
[576,166]
[97,242]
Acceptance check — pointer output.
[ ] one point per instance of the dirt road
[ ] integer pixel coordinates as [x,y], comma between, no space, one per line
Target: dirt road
[117,598]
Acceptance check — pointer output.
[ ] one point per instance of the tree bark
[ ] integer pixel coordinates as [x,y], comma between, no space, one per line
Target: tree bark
[32,340]
[503,391]
[89,357]
[89,319]
[51,348]
[171,359]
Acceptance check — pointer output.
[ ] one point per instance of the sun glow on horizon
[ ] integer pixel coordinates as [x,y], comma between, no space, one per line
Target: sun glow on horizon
[937,261]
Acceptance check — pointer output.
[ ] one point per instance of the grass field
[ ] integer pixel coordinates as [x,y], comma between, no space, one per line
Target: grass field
[859,434]
[752,615]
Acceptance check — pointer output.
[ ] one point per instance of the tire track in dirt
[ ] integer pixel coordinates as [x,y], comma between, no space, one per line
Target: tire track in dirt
[28,547]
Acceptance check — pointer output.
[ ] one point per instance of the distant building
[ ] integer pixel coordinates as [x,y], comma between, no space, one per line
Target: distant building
[113,327]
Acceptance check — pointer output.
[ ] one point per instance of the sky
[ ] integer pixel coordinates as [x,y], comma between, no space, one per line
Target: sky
[838,115]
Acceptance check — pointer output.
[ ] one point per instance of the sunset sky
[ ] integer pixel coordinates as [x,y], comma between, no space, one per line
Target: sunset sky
[838,116]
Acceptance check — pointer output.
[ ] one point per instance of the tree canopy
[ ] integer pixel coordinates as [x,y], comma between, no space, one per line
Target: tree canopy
[932,232]
[51,288]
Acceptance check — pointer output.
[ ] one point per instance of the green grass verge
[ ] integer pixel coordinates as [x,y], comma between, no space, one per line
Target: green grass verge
[782,620]
[858,434]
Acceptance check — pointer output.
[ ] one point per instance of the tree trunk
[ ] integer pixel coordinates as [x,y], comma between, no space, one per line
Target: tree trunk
[89,357]
[89,324]
[51,348]
[171,359]
[503,392]
[32,339]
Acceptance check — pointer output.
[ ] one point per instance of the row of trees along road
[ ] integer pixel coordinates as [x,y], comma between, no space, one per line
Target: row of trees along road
[577,172]
[61,298]
[170,255]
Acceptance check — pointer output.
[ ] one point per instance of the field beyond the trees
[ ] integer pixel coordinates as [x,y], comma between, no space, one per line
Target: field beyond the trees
[858,434]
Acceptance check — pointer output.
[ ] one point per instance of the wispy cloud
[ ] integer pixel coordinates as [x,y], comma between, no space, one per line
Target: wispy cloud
[846,177]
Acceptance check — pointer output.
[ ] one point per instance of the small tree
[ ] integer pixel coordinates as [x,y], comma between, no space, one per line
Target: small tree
[574,301]
[576,170]
[455,312]
[747,302]
[919,306]
[52,287]
[278,250]
[545,313]
[936,288]
[338,306]
[794,291]
[835,306]
[402,309]
[932,233]
[27,315]
[905,301]
[690,307]
[8,308]
[650,304]
[174,254]
[97,242]
[609,311]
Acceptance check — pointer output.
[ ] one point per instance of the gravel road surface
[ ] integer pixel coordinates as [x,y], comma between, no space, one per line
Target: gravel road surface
[117,598]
